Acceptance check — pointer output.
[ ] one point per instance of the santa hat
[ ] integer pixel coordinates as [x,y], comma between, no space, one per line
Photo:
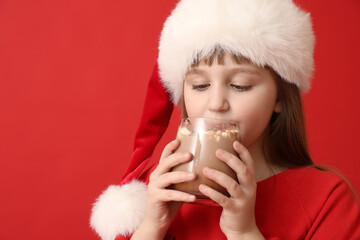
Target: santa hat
[120,209]
[274,33]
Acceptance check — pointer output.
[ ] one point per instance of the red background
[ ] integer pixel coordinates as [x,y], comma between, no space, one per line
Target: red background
[73,76]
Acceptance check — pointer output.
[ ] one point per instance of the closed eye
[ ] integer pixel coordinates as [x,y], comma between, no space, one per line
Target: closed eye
[240,87]
[200,87]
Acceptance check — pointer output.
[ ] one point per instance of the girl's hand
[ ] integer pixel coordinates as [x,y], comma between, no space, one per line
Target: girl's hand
[163,203]
[237,220]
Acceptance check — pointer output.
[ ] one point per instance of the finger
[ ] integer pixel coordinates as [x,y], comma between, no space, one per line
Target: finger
[242,172]
[169,149]
[245,156]
[233,188]
[214,195]
[169,178]
[172,161]
[167,195]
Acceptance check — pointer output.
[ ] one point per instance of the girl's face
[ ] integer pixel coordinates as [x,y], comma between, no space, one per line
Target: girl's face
[242,92]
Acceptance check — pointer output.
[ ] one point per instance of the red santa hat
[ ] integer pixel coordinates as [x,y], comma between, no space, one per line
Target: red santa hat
[274,33]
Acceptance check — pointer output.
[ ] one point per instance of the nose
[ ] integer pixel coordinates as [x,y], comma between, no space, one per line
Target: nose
[218,101]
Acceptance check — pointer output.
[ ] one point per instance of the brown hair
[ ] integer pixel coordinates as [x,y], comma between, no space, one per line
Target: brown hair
[285,144]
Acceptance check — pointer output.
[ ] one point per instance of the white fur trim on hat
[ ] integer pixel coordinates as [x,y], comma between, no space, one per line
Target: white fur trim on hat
[119,210]
[268,32]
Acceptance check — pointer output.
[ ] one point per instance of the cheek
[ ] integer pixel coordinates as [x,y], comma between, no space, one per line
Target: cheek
[254,117]
[193,110]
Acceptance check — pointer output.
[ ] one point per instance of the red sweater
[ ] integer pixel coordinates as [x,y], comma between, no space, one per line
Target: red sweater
[302,203]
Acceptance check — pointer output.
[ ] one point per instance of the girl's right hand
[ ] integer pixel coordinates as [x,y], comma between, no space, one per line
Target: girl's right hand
[163,203]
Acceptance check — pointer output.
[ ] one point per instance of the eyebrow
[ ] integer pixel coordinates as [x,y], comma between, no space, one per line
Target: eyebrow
[194,71]
[242,69]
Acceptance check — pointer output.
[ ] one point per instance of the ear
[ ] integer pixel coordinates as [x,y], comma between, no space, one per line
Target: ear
[277,107]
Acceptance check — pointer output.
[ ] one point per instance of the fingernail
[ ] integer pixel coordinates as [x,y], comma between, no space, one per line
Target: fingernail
[192,198]
[220,152]
[190,175]
[186,155]
[202,187]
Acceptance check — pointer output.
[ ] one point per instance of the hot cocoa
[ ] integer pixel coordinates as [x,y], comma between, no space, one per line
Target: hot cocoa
[203,144]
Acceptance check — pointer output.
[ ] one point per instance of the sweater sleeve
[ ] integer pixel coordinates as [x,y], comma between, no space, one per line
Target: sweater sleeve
[339,217]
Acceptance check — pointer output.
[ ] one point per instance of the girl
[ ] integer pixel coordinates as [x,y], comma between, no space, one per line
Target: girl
[245,61]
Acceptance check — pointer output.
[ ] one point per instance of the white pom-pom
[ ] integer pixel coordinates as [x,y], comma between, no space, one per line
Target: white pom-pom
[119,210]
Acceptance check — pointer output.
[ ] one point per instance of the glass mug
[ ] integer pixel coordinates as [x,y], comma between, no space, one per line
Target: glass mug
[202,137]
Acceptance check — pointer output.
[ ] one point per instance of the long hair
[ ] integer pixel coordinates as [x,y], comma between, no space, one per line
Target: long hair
[286,143]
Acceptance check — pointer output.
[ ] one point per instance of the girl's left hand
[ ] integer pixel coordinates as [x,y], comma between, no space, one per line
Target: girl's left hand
[238,216]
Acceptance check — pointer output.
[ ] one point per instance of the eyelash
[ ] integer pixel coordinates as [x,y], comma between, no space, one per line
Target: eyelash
[200,87]
[239,88]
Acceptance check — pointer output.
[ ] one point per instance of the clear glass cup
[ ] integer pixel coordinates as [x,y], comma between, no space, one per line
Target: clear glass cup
[202,137]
